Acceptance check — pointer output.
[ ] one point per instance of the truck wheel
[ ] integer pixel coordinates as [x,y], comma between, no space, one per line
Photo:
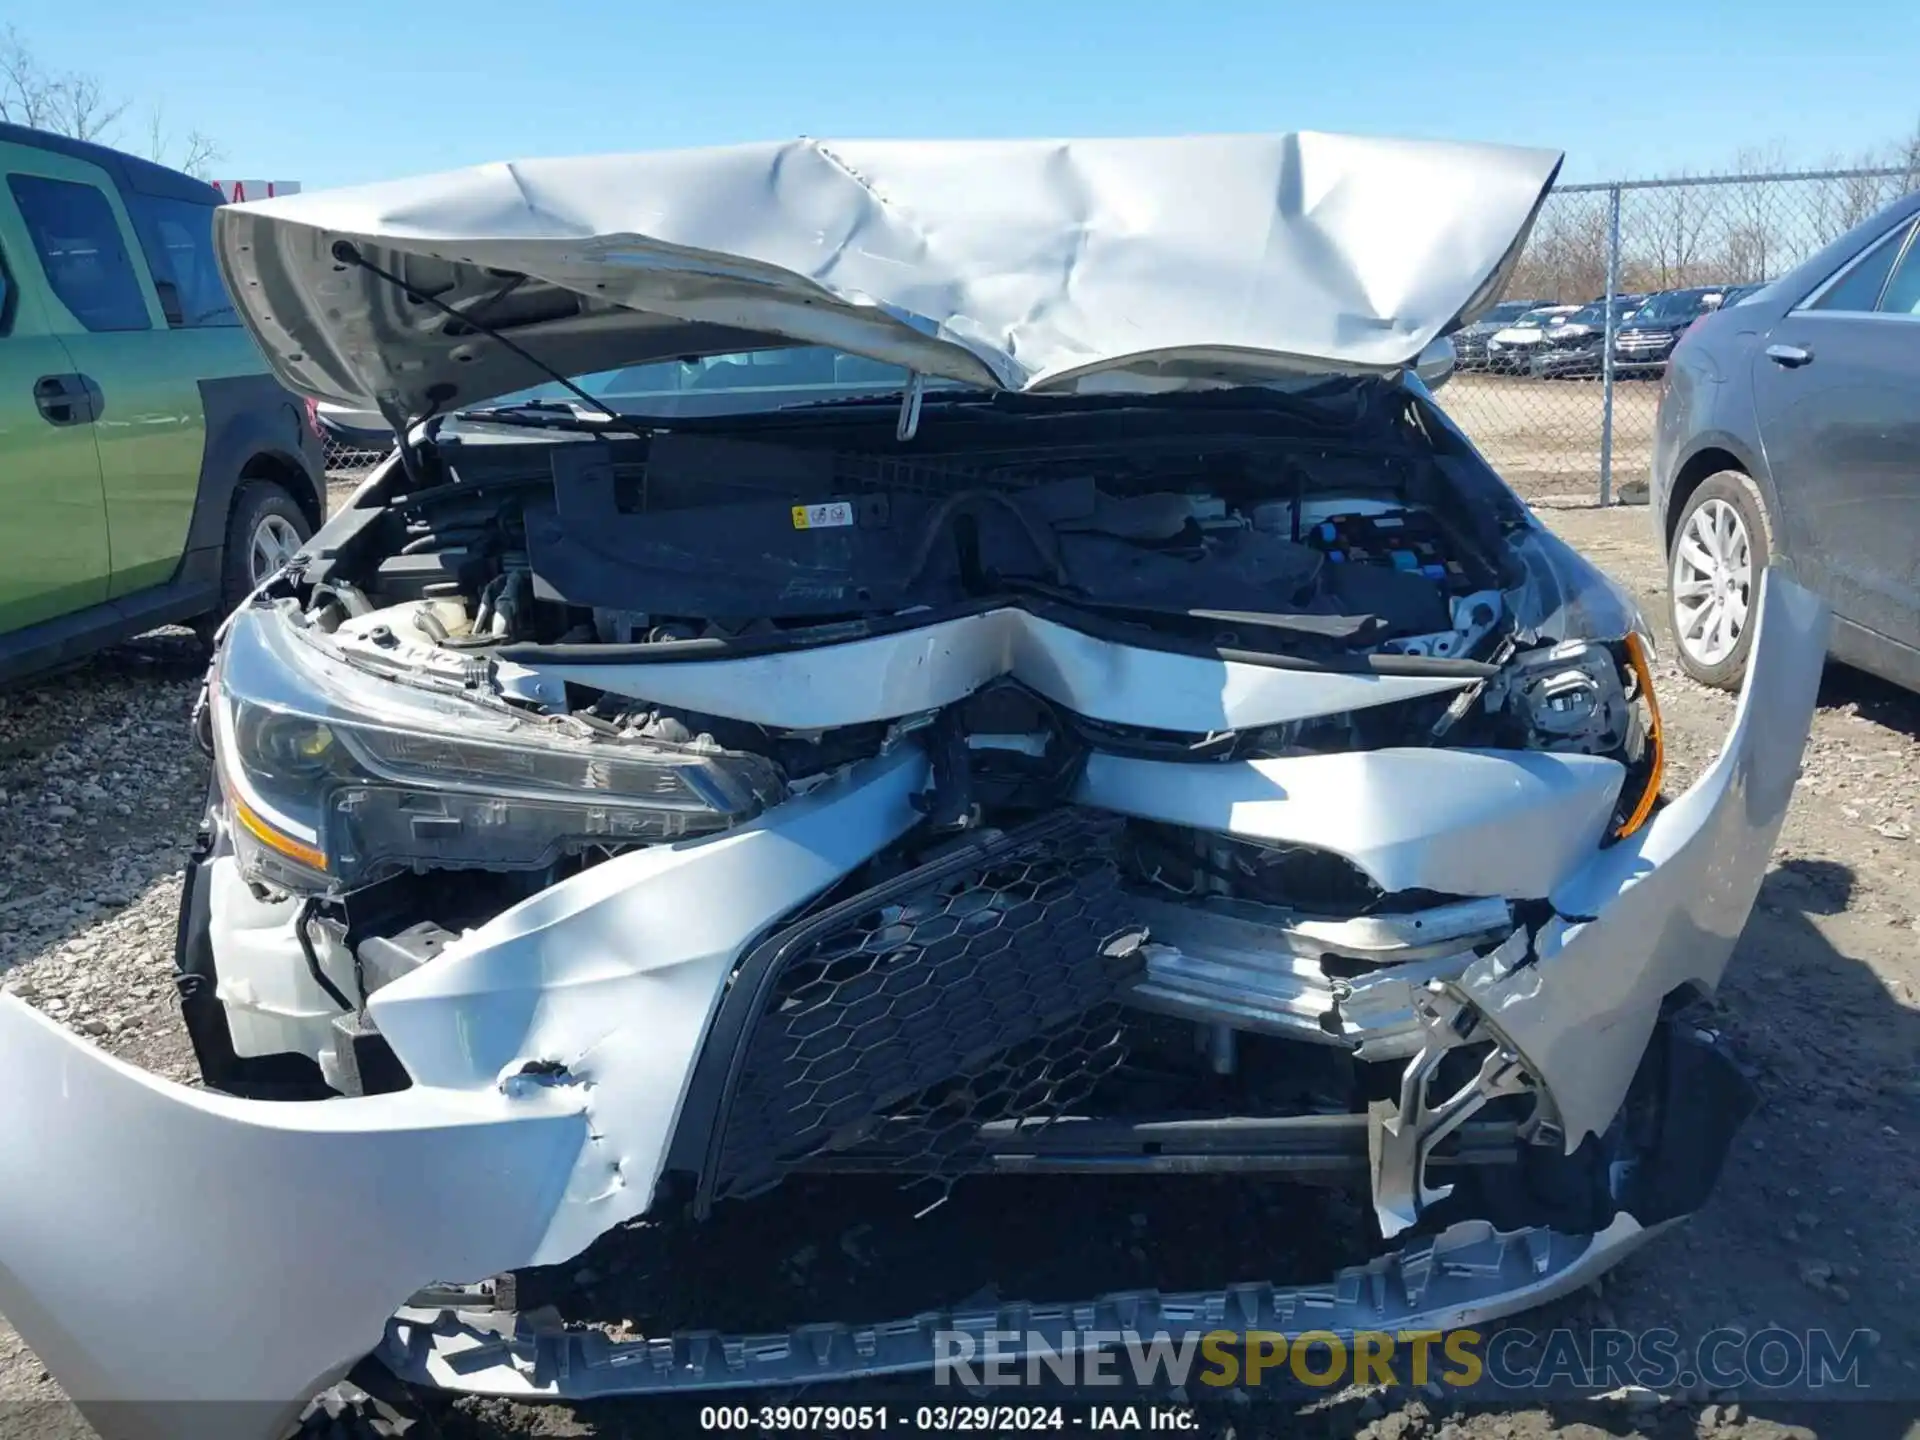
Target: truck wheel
[266,527]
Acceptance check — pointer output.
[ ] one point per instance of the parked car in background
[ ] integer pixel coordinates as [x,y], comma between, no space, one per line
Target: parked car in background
[1470,341]
[1642,345]
[1789,436]
[1576,344]
[1510,351]
[151,470]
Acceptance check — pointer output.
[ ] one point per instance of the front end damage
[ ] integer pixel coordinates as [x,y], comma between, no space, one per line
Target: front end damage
[1098,734]
[614,1047]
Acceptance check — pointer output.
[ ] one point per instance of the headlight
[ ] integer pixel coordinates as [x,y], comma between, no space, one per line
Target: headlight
[335,779]
[1589,683]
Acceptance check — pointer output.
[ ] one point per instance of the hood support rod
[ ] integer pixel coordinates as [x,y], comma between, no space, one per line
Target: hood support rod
[347,253]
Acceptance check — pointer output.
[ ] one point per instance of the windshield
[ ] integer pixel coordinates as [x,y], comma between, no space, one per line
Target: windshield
[731,384]
[1675,305]
[1507,311]
[1588,315]
[1540,317]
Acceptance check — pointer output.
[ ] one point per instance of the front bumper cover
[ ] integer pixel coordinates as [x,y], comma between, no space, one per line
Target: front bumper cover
[269,1244]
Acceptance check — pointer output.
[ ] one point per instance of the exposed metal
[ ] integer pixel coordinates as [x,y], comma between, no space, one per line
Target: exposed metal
[1403,1137]
[1250,966]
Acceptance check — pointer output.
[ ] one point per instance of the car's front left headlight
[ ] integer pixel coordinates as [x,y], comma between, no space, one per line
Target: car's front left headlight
[335,778]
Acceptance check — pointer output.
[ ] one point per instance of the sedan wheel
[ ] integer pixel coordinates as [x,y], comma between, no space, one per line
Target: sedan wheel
[1719,552]
[1712,582]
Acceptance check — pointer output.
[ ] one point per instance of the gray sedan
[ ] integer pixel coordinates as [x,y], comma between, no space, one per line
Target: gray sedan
[1789,435]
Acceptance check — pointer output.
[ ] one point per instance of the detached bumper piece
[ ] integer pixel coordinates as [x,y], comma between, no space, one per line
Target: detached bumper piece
[972,990]
[1460,1276]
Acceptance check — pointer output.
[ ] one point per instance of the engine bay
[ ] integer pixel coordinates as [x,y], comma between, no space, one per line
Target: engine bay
[1242,530]
[584,583]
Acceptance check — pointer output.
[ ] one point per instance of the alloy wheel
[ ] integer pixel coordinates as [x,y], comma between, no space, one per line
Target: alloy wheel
[274,542]
[1712,582]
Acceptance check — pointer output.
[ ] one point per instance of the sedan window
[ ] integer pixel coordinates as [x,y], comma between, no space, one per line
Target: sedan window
[1903,290]
[1858,289]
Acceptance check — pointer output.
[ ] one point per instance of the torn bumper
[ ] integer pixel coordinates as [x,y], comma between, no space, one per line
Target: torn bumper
[274,1244]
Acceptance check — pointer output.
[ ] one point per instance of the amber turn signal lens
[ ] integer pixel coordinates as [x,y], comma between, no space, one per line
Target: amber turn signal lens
[273,839]
[1643,677]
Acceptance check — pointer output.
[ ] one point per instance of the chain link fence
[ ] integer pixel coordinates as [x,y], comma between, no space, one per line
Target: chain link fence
[347,461]
[1572,420]
[1566,413]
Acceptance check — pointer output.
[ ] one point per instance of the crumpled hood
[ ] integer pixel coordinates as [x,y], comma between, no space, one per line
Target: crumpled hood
[1024,265]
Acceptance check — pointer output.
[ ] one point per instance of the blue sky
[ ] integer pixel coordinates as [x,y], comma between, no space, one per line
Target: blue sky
[345,90]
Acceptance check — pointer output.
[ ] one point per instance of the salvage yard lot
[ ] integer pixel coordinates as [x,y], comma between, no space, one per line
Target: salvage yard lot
[1815,1222]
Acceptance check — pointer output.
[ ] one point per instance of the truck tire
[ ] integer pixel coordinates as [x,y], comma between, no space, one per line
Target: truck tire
[265,527]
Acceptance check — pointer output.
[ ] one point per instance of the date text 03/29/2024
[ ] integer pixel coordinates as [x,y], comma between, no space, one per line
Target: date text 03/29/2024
[978,1419]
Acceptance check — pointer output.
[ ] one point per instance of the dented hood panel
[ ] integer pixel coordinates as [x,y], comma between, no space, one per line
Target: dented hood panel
[1023,265]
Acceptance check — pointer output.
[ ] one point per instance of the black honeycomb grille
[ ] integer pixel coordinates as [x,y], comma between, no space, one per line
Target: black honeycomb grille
[976,988]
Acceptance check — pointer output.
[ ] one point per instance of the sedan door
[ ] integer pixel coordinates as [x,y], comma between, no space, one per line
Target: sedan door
[1836,388]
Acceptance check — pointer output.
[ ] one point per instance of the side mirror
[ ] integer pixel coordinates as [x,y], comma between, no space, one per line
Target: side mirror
[1436,363]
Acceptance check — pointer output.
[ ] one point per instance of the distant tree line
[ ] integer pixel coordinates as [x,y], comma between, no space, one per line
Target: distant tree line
[1690,232]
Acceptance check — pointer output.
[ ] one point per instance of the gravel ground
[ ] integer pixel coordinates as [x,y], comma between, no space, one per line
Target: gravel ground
[1814,1223]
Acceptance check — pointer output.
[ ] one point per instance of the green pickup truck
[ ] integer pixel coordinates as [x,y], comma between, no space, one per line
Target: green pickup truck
[151,471]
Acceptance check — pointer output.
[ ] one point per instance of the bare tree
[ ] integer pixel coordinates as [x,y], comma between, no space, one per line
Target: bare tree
[1753,242]
[1907,155]
[196,155]
[71,104]
[1566,256]
[1672,226]
[76,105]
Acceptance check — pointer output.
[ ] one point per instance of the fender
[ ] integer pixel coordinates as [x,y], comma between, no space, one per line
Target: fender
[251,416]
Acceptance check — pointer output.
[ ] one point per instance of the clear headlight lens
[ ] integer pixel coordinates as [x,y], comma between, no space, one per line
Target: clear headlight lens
[336,778]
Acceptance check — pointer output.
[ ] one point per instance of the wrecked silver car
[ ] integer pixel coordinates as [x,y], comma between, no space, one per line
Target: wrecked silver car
[976,661]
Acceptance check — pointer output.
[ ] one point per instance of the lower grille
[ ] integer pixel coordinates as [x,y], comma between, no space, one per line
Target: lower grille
[976,988]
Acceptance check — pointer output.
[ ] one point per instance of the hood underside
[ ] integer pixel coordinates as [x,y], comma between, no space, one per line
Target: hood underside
[1022,265]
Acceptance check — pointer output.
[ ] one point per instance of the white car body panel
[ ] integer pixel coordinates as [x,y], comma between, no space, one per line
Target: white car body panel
[1673,897]
[1459,821]
[1017,264]
[889,676]
[107,1219]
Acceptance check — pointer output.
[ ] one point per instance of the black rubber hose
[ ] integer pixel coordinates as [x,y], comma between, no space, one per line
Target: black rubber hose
[313,958]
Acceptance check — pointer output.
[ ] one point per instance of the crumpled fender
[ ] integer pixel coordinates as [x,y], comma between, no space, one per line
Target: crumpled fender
[1663,908]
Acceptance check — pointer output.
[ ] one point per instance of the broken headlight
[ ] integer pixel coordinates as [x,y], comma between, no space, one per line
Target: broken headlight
[335,778]
[1587,684]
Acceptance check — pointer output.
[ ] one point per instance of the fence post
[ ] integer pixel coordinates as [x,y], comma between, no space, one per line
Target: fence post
[1606,351]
